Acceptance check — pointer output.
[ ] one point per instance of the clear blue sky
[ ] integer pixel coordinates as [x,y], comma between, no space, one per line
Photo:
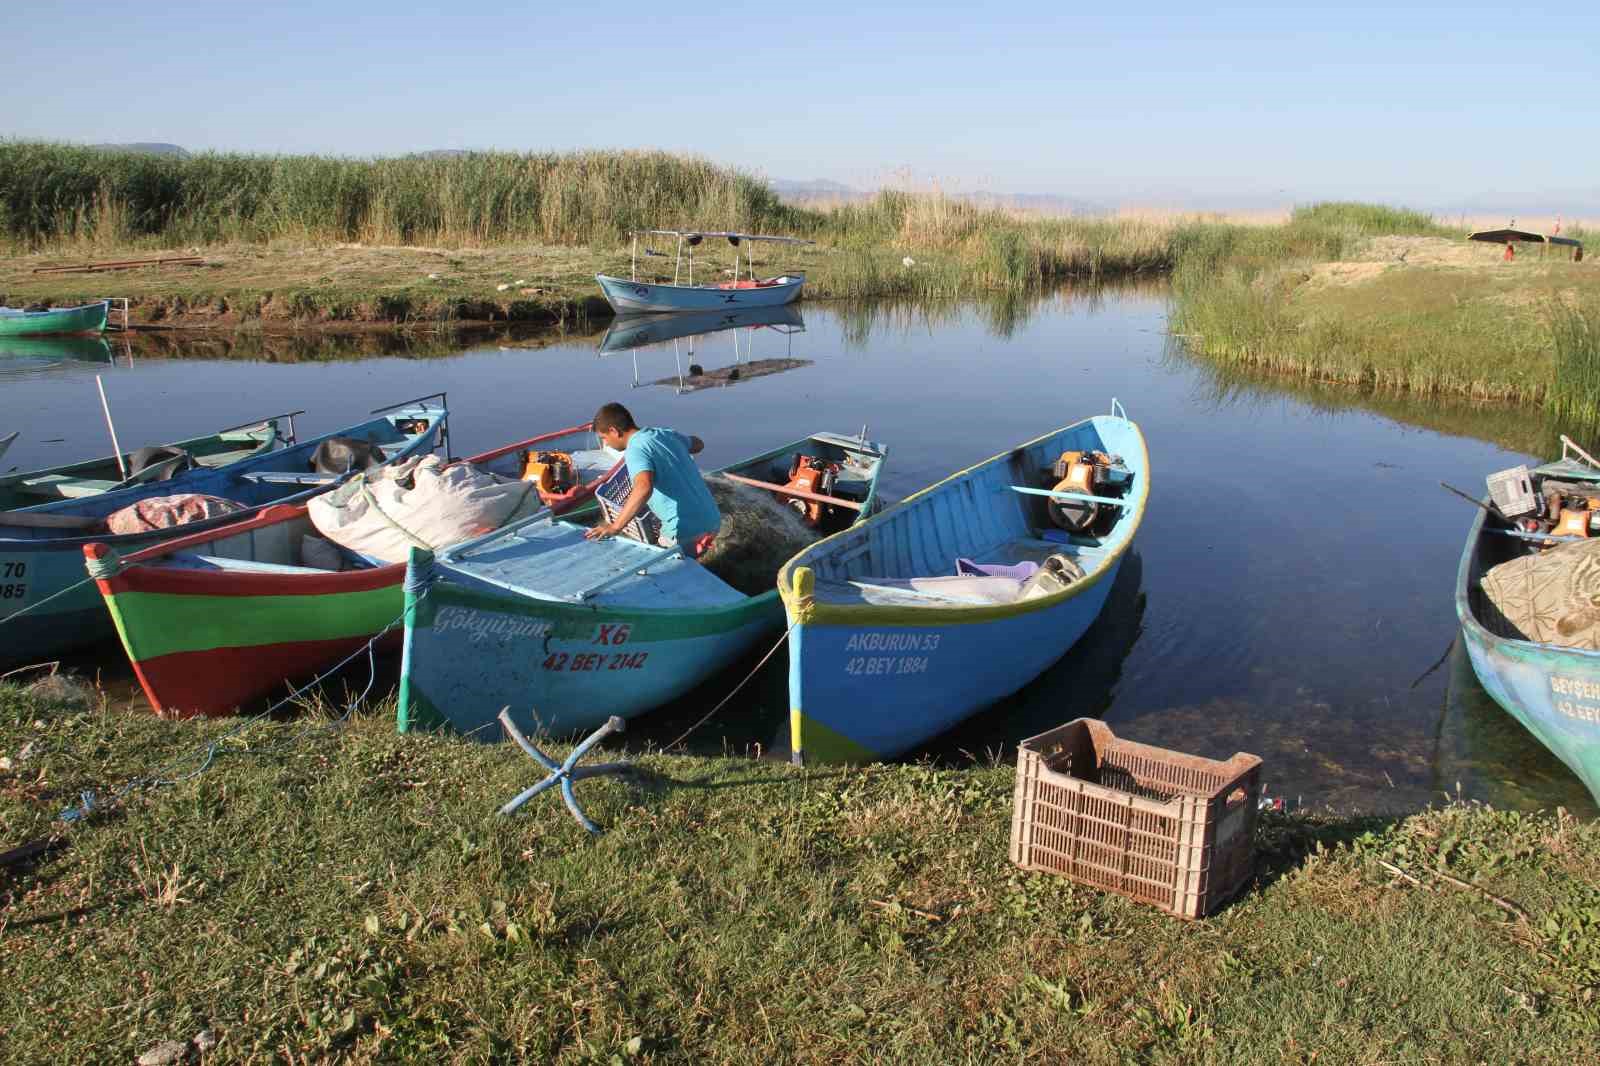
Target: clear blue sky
[1119,103]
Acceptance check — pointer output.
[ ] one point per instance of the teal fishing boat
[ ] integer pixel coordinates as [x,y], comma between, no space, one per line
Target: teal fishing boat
[1508,619]
[961,594]
[90,318]
[567,632]
[91,477]
[46,603]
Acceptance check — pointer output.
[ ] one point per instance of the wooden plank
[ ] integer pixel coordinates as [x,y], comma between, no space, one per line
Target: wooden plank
[122,264]
[798,494]
[1084,497]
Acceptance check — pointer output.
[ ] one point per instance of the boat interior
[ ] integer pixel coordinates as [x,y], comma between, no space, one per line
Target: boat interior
[93,478]
[268,477]
[1499,543]
[980,537]
[550,559]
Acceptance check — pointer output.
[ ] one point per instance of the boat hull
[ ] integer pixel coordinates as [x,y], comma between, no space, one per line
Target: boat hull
[90,318]
[876,668]
[560,668]
[208,642]
[868,692]
[1553,691]
[639,297]
[46,573]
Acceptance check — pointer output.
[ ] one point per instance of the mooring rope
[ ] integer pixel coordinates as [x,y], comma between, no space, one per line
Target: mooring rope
[208,751]
[712,713]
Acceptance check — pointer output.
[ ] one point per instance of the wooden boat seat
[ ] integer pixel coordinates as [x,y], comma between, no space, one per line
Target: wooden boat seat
[64,487]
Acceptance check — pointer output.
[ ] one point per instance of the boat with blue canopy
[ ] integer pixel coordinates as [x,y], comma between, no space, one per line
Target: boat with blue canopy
[1526,594]
[566,632]
[960,594]
[48,606]
[636,295]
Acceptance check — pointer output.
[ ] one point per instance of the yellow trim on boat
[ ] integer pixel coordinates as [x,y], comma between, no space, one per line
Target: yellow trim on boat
[796,583]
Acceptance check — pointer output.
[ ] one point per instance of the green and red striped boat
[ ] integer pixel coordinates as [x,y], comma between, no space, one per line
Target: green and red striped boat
[217,620]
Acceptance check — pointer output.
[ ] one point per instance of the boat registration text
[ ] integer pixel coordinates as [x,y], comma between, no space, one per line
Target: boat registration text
[1576,699]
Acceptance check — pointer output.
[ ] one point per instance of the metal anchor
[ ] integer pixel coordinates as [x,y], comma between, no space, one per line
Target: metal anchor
[565,773]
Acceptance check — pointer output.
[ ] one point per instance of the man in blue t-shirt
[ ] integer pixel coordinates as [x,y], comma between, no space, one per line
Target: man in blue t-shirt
[664,476]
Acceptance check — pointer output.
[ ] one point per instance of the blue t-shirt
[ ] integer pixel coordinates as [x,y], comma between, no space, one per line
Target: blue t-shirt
[681,499]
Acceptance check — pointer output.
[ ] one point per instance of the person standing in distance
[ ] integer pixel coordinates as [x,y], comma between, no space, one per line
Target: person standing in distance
[665,477]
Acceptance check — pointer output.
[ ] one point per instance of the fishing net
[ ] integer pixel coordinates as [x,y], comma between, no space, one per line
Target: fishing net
[757,537]
[1552,597]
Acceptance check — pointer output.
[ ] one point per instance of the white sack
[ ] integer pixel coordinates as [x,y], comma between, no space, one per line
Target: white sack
[420,502]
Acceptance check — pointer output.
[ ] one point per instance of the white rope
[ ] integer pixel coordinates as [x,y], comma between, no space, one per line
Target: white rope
[736,688]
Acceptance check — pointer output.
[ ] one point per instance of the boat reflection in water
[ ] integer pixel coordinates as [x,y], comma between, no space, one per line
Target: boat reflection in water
[22,357]
[631,333]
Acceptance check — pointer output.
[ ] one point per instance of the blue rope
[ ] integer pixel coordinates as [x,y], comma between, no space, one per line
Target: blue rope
[88,801]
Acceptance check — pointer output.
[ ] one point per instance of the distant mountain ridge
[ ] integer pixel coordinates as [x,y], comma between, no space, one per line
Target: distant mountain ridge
[823,191]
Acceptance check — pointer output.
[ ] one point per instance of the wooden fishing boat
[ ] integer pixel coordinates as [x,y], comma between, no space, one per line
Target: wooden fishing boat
[90,318]
[1554,691]
[214,620]
[634,295]
[91,477]
[886,652]
[41,547]
[567,632]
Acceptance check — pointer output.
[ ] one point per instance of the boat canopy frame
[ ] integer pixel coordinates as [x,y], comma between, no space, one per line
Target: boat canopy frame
[694,237]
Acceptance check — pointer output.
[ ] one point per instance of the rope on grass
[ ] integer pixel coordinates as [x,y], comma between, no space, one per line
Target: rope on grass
[207,753]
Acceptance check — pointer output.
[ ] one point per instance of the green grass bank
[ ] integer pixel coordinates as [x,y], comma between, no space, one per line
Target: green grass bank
[1392,300]
[350,896]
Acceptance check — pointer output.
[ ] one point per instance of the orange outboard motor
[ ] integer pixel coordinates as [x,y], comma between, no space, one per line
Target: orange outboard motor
[1082,472]
[809,473]
[551,472]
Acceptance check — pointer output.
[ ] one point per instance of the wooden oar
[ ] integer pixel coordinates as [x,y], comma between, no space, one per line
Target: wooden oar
[799,494]
[1083,496]
[1491,508]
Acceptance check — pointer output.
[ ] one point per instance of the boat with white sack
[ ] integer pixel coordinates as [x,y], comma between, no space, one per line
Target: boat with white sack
[219,619]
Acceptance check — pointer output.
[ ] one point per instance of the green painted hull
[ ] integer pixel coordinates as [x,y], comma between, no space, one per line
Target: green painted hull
[91,318]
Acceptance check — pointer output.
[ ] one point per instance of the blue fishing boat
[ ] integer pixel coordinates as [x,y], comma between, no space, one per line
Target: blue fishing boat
[636,295]
[959,595]
[41,546]
[1551,688]
[567,632]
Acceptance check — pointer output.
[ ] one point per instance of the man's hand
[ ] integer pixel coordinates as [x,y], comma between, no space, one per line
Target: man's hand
[600,532]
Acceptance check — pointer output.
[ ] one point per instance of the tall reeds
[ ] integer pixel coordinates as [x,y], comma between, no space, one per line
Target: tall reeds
[1575,335]
[56,194]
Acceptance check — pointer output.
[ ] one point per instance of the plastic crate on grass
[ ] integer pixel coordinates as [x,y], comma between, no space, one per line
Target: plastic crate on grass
[612,494]
[1155,825]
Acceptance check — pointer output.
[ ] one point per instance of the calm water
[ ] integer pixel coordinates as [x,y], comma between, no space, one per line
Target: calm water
[1291,585]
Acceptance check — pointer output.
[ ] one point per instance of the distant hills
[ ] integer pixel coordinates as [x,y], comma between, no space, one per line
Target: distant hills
[822,191]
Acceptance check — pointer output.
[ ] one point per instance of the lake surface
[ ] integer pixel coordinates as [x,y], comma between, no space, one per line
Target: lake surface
[1289,592]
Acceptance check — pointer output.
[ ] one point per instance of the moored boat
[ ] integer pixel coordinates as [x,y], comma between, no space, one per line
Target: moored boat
[41,547]
[960,594]
[1551,686]
[89,318]
[567,632]
[635,295]
[91,477]
[217,619]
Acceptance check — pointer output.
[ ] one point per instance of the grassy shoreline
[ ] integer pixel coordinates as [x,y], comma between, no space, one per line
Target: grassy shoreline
[350,896]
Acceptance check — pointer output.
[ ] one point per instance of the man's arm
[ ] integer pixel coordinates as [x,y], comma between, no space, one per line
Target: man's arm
[643,485]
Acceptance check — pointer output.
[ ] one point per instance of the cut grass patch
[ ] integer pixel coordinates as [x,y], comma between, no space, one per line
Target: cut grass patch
[355,898]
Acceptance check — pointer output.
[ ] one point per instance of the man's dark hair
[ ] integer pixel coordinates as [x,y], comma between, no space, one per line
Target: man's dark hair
[613,416]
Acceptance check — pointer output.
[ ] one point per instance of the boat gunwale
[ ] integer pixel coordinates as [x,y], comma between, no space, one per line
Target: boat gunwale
[788,279]
[114,540]
[806,610]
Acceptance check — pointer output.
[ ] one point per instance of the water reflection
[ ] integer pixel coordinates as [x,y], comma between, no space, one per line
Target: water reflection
[682,333]
[23,357]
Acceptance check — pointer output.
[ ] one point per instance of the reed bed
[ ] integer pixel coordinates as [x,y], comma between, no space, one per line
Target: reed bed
[1575,336]
[54,195]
